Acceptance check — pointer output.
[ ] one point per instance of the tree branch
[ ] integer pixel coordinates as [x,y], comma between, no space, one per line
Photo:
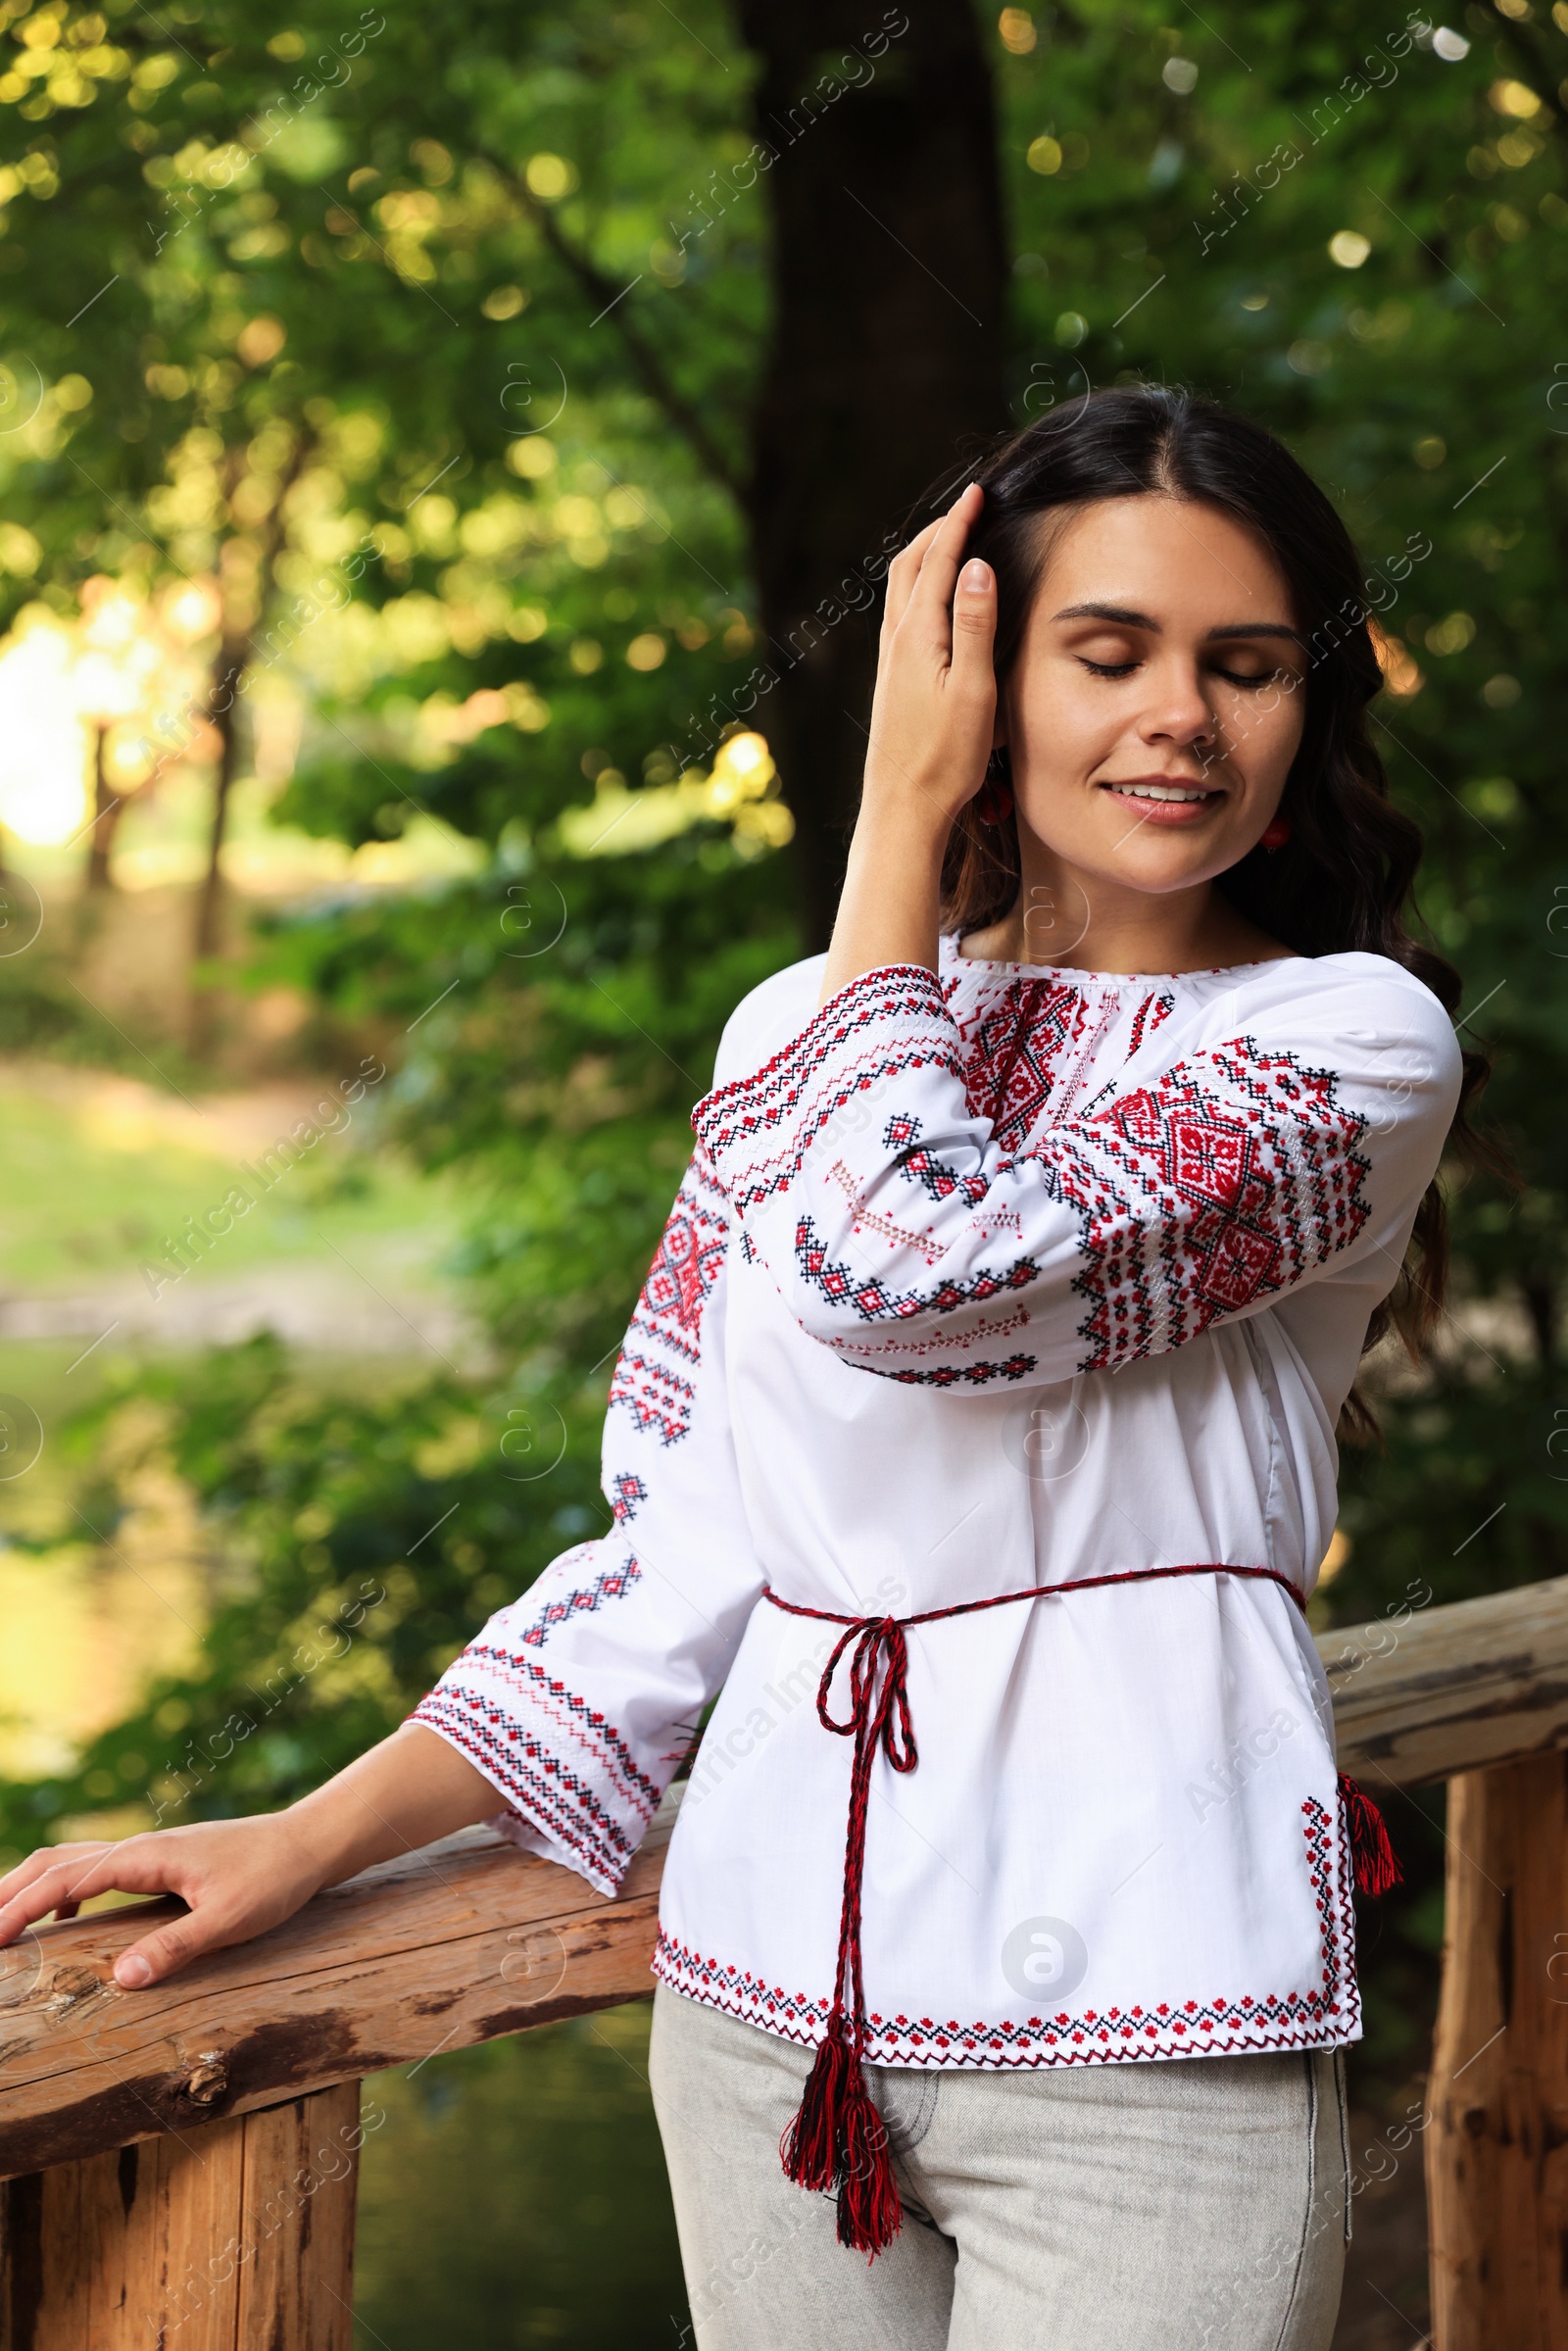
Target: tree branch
[606,297]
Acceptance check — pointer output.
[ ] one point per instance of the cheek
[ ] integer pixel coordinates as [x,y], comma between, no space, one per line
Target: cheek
[1066,719]
[1268,730]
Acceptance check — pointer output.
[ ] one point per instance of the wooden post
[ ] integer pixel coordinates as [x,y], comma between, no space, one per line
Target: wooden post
[233,2236]
[1497,2140]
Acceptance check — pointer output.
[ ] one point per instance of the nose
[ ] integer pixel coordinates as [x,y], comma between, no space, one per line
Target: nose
[1177,710]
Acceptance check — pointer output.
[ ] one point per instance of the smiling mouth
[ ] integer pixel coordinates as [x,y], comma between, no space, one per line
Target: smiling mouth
[1149,792]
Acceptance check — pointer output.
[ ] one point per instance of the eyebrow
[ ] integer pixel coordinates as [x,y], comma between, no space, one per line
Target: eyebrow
[1127,618]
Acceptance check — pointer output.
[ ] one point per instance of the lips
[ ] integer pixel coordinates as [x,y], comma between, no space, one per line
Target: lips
[1163,800]
[1166,789]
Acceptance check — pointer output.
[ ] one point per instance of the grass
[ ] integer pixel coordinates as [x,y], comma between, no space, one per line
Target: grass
[89,1188]
[97,1171]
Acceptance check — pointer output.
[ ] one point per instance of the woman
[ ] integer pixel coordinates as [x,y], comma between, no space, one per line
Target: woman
[973,1440]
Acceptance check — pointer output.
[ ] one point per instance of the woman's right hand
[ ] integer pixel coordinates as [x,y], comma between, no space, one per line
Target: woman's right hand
[935,706]
[237,1878]
[932,721]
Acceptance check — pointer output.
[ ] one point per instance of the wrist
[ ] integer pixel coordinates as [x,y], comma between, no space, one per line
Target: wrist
[324,1838]
[902,847]
[891,809]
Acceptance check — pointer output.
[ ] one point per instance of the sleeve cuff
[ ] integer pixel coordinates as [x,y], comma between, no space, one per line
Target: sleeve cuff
[571,1791]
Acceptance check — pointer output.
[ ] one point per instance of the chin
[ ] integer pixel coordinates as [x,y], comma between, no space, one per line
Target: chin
[1158,866]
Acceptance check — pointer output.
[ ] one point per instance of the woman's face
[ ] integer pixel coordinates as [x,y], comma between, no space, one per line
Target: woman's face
[1158,699]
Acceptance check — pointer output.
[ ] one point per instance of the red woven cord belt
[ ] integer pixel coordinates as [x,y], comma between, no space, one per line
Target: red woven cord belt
[837,2143]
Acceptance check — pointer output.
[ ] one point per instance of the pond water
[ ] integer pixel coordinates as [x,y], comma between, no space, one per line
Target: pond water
[514,2196]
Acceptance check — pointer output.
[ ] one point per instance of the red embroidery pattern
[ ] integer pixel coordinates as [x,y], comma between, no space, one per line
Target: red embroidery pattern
[659,1401]
[962,1375]
[536,1785]
[1007,1064]
[787,1091]
[471,1684]
[925,1245]
[686,1264]
[663,1338]
[999,1326]
[1227,1180]
[874,1301]
[920,1164]
[625,1492]
[1217,2027]
[1146,1019]
[608,1586]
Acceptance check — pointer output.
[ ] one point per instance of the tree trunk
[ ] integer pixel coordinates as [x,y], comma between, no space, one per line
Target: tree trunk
[245,606]
[227,671]
[1497,2140]
[208,943]
[886,363]
[106,819]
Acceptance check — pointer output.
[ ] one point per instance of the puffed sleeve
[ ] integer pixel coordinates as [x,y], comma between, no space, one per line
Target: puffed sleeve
[579,1699]
[904,1239]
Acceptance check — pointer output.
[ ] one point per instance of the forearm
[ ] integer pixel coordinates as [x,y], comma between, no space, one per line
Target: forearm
[888,910]
[408,1792]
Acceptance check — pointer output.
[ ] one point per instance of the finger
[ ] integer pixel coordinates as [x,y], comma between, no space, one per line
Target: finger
[974,631]
[903,571]
[931,598]
[62,1888]
[171,1948]
[46,1858]
[46,1886]
[137,1866]
[917,554]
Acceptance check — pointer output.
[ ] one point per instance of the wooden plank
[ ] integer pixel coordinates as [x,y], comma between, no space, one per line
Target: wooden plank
[465,1940]
[117,2251]
[1496,2148]
[1451,1689]
[175,2235]
[296,2244]
[233,2235]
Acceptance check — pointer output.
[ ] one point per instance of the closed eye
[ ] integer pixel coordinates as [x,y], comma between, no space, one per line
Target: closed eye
[1232,677]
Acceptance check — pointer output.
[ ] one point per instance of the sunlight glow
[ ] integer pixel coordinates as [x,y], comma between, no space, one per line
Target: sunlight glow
[43,743]
[64,684]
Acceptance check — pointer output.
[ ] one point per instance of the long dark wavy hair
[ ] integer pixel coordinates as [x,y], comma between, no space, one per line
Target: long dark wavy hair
[1344,879]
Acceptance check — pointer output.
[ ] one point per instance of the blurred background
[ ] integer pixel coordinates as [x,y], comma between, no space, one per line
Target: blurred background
[447,458]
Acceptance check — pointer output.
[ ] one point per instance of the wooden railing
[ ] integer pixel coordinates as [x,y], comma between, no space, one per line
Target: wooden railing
[179,2164]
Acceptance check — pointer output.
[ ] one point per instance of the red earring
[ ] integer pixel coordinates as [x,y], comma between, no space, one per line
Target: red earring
[993,802]
[1275,833]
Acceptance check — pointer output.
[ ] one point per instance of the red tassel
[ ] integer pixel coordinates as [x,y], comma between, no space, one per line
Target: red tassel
[1376,1864]
[838,2145]
[869,2212]
[810,2145]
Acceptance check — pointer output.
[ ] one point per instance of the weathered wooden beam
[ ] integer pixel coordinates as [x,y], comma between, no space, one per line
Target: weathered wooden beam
[1423,1695]
[236,2236]
[1497,2145]
[464,1941]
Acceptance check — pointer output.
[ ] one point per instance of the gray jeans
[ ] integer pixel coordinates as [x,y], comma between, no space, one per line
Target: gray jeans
[1200,2204]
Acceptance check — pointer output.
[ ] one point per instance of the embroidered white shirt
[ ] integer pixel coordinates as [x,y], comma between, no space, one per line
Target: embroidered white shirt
[1005,1277]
